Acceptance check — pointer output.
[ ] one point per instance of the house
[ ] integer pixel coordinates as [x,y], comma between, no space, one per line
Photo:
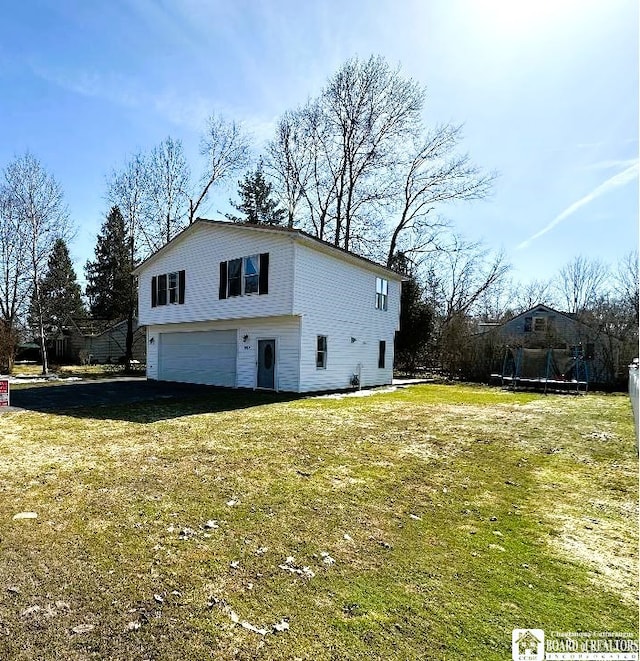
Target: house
[96,341]
[545,343]
[258,306]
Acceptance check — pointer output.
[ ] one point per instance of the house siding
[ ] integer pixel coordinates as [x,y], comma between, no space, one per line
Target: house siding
[199,253]
[337,299]
[313,290]
[285,331]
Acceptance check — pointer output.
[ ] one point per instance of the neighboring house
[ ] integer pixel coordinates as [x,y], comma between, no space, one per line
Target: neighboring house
[587,350]
[96,341]
[257,306]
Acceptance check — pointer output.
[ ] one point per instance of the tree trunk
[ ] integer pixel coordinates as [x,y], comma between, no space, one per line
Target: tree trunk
[129,341]
[43,341]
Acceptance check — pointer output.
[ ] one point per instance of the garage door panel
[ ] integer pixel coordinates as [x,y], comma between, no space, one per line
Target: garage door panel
[199,357]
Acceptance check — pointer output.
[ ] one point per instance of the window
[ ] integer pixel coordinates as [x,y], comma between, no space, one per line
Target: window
[173,287]
[321,352]
[251,267]
[245,275]
[382,287]
[528,321]
[168,288]
[234,283]
[539,324]
[382,350]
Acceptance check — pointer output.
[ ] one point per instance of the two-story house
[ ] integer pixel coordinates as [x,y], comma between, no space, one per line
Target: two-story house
[256,306]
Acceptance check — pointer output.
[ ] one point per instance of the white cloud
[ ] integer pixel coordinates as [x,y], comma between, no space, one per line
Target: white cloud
[617,181]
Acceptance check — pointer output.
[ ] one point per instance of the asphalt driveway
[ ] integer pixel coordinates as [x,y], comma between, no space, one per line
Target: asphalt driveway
[89,394]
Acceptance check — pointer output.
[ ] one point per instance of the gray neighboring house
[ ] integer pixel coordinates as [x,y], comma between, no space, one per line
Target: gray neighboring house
[542,327]
[96,341]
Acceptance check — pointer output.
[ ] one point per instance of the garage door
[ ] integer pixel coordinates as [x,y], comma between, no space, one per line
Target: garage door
[198,357]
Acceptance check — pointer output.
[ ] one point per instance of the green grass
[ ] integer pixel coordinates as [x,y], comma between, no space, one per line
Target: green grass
[454,514]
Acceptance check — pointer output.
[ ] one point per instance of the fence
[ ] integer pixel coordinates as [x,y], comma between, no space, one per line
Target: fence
[633,394]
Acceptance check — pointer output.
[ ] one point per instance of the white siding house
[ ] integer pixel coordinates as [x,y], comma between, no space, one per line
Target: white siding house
[253,306]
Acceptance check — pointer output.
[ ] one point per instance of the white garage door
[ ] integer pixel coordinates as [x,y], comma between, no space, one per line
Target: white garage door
[198,357]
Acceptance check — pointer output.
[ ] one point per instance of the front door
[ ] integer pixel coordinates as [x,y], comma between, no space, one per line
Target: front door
[266,363]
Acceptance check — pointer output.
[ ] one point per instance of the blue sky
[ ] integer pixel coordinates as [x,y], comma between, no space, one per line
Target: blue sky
[547,91]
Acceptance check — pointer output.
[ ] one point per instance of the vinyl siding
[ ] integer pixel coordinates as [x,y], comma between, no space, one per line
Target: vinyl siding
[199,253]
[337,299]
[312,291]
[285,331]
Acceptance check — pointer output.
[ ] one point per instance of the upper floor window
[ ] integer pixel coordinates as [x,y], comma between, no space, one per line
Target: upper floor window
[244,275]
[382,290]
[168,288]
[539,323]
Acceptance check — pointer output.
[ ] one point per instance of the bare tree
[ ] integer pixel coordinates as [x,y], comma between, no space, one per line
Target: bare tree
[371,109]
[357,155]
[467,272]
[626,282]
[167,188]
[289,159]
[15,282]
[127,189]
[529,294]
[435,174]
[580,283]
[458,283]
[226,149]
[37,200]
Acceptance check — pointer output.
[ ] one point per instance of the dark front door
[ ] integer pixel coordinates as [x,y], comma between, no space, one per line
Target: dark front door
[266,363]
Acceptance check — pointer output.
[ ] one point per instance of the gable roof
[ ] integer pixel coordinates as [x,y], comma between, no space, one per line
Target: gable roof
[541,307]
[294,233]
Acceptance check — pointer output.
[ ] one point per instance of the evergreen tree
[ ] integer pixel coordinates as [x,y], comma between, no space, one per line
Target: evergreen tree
[256,203]
[109,281]
[416,319]
[60,293]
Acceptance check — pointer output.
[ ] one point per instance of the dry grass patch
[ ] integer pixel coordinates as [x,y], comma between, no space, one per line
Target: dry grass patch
[424,523]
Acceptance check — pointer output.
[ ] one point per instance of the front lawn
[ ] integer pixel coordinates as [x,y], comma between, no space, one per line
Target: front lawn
[425,523]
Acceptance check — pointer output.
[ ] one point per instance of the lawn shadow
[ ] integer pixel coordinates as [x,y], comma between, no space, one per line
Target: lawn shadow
[138,400]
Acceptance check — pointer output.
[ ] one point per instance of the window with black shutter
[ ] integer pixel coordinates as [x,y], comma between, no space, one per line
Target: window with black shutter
[168,288]
[244,276]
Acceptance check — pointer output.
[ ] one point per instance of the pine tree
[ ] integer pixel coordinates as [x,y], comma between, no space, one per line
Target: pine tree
[60,293]
[256,203]
[109,281]
[416,318]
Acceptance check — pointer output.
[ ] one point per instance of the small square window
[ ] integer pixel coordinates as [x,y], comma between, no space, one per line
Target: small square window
[321,352]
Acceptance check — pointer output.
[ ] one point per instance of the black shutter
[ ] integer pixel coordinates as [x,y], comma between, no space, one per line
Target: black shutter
[222,293]
[181,284]
[264,273]
[154,292]
[162,289]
